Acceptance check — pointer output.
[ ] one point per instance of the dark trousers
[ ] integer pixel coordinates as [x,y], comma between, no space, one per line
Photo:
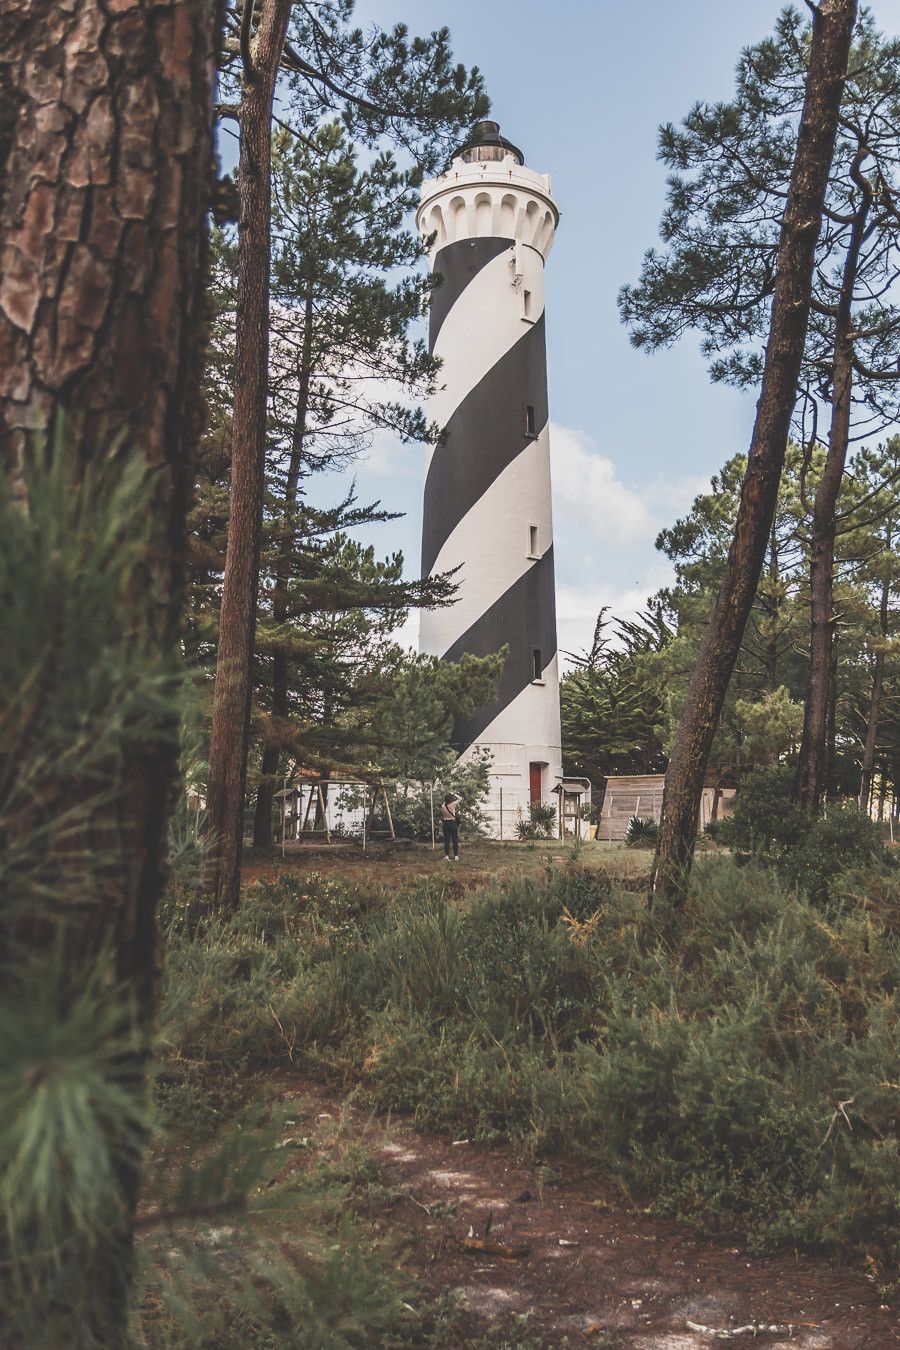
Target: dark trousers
[451,836]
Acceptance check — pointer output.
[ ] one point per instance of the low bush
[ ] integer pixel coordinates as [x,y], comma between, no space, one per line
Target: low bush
[845,838]
[705,1066]
[765,821]
[641,832]
[540,822]
[811,854]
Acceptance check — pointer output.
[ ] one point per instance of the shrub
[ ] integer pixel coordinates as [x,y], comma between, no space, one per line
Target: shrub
[540,824]
[845,838]
[641,832]
[703,1068]
[765,820]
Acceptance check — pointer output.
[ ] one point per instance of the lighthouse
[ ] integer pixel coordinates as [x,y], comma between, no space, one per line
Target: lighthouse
[490,223]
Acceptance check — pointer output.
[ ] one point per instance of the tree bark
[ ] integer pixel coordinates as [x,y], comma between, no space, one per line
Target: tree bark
[105,166]
[262,819]
[832,33]
[230,731]
[868,760]
[812,763]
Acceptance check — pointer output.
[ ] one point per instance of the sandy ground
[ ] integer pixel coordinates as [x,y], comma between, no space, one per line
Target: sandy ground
[588,1269]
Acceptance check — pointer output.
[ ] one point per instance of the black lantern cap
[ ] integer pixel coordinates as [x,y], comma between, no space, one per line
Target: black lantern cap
[485,143]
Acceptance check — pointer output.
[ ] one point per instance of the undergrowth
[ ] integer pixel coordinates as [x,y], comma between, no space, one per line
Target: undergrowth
[739,1071]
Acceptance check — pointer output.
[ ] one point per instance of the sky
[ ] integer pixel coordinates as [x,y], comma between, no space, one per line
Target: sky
[582,87]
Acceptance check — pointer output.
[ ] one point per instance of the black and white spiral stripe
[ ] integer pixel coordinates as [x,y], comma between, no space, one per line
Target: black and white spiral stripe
[489,479]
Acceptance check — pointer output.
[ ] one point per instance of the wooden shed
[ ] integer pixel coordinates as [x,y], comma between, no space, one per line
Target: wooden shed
[628,795]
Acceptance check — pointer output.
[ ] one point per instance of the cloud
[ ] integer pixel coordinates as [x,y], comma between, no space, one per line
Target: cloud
[577,606]
[386,456]
[407,635]
[586,487]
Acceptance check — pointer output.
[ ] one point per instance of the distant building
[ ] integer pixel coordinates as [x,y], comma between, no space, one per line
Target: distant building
[630,795]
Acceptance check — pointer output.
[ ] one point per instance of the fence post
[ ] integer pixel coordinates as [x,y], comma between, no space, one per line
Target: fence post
[284,803]
[431,795]
[501,813]
[609,817]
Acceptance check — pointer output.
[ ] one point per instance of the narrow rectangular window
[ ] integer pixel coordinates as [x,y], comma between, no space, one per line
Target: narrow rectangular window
[530,421]
[537,665]
[526,304]
[532,541]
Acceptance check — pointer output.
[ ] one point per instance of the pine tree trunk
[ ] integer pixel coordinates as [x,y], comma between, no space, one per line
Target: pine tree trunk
[832,33]
[771,646]
[105,166]
[812,763]
[265,795]
[230,731]
[868,761]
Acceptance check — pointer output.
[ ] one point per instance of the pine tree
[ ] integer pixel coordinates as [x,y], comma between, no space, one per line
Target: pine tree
[384,86]
[612,704]
[794,264]
[342,359]
[731,167]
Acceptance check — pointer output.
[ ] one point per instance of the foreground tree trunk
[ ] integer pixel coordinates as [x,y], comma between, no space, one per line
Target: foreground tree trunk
[230,732]
[832,33]
[105,166]
[812,763]
[868,760]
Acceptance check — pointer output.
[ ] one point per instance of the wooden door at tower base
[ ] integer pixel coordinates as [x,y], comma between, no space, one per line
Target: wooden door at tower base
[534,775]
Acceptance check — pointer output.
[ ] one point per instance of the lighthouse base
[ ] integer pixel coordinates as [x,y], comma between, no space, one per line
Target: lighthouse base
[520,775]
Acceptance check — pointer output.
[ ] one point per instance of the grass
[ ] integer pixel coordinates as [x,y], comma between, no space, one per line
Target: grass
[703,1065]
[482,863]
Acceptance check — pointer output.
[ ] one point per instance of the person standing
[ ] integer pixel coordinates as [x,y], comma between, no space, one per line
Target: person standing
[450,825]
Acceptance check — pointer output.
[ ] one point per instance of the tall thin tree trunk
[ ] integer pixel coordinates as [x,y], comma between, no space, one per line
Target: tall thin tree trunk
[105,175]
[833,24]
[811,765]
[868,760]
[829,784]
[771,644]
[262,819]
[230,731]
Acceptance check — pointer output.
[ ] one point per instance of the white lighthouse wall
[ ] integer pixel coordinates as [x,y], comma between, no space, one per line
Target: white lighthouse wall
[482,325]
[491,545]
[533,713]
[478,200]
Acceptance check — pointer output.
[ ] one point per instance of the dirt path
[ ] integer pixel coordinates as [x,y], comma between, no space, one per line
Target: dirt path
[595,1273]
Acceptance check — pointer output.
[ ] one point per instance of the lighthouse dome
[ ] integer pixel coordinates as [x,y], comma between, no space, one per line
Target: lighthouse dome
[485,144]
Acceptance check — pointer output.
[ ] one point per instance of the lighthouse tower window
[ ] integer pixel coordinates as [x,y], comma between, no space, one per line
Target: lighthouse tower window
[537,666]
[533,551]
[527,309]
[530,420]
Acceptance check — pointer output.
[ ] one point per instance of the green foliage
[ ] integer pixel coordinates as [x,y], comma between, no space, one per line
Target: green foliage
[812,855]
[641,832]
[89,684]
[771,725]
[73,1122]
[415,805]
[540,823]
[703,1068]
[610,703]
[765,820]
[423,698]
[835,843]
[83,678]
